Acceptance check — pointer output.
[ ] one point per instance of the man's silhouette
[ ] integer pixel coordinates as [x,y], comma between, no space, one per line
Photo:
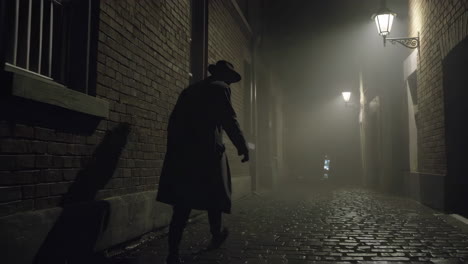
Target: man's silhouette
[195,173]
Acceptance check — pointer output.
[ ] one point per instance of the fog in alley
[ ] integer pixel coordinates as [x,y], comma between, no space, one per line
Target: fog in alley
[233,131]
[321,49]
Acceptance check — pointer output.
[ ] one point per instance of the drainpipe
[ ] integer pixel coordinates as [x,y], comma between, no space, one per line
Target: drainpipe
[254,51]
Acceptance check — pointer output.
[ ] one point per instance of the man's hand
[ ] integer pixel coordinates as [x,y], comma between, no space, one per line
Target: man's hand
[246,156]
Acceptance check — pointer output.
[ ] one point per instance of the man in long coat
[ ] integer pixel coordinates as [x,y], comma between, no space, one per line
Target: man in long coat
[195,172]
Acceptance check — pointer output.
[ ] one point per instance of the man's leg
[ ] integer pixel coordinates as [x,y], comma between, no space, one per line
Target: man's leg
[179,220]
[215,219]
[219,235]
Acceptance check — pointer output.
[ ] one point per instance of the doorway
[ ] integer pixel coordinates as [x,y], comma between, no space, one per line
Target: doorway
[455,82]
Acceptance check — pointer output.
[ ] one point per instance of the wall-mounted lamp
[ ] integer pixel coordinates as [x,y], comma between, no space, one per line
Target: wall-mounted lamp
[346,96]
[384,20]
[347,99]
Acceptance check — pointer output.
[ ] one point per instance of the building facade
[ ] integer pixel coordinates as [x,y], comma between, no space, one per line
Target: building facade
[413,132]
[436,71]
[87,88]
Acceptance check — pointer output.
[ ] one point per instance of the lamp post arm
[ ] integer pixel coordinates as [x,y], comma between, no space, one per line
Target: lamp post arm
[412,43]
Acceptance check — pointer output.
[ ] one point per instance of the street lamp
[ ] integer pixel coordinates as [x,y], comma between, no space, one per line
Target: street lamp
[346,96]
[384,21]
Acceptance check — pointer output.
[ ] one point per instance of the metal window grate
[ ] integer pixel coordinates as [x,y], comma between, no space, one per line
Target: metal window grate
[39,36]
[33,36]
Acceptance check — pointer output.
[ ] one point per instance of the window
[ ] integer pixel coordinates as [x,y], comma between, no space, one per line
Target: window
[53,39]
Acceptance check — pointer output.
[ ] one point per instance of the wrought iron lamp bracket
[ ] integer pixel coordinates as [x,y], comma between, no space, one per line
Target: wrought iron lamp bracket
[412,43]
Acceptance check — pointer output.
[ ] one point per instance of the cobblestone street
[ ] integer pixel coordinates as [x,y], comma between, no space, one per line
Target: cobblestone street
[302,224]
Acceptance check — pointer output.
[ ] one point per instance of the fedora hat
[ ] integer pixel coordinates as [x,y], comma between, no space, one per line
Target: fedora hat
[224,70]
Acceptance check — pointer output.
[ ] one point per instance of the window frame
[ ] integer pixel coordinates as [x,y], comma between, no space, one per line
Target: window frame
[76,95]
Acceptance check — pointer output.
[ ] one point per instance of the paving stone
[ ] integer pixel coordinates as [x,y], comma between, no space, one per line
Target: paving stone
[319,224]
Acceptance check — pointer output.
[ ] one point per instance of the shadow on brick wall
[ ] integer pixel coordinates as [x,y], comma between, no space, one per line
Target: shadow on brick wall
[74,235]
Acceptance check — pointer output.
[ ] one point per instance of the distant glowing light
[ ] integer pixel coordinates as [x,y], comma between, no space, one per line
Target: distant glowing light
[326,167]
[346,96]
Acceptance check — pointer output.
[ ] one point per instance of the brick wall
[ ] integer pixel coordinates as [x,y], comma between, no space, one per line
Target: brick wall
[441,24]
[52,156]
[229,41]
[143,65]
[143,62]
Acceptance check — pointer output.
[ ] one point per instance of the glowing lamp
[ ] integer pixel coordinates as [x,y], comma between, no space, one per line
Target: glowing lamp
[384,21]
[346,96]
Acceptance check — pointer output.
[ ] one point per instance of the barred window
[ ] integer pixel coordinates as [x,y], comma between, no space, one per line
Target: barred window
[55,39]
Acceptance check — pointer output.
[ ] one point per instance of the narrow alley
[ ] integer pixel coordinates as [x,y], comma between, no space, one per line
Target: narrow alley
[316,131]
[319,223]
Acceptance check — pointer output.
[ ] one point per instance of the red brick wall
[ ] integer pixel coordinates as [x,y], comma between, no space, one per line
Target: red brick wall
[227,40]
[442,24]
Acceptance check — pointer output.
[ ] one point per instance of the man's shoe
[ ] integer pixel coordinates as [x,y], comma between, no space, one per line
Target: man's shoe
[173,259]
[217,240]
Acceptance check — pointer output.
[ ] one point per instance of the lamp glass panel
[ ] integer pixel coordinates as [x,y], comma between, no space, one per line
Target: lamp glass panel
[384,23]
[346,96]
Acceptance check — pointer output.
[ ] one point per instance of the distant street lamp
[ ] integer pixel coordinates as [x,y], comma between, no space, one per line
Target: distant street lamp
[384,21]
[346,96]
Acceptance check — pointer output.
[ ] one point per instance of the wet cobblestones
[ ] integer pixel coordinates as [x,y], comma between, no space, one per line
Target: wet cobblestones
[303,224]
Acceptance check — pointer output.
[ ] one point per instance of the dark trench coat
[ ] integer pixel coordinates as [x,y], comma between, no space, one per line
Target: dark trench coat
[195,172]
